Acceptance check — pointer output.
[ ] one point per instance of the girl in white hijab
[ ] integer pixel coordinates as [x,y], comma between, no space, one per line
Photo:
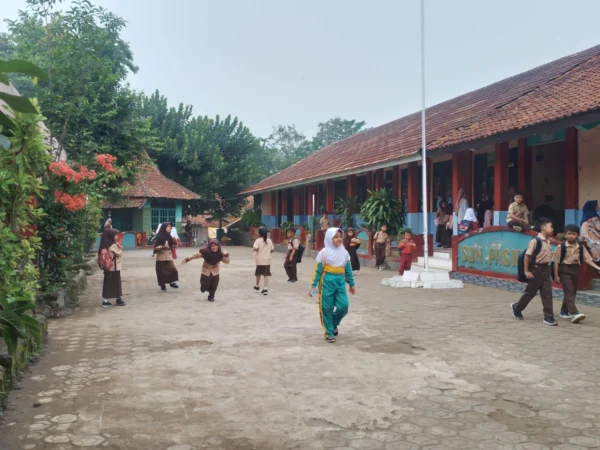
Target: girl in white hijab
[333,270]
[469,223]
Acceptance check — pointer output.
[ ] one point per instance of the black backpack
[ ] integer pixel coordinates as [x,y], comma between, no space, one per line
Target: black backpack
[563,253]
[299,252]
[521,266]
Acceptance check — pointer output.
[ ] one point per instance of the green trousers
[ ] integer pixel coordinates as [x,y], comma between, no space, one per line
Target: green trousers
[333,296]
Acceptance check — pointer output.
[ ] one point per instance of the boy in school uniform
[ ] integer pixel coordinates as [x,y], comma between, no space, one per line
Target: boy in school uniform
[407,246]
[537,272]
[291,260]
[567,260]
[380,245]
[518,214]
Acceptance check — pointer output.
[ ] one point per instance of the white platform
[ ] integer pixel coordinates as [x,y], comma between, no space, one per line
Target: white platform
[425,280]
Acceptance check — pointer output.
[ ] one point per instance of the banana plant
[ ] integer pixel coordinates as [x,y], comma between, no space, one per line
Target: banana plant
[15,323]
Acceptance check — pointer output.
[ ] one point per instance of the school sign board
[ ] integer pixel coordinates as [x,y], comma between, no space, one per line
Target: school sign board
[493,250]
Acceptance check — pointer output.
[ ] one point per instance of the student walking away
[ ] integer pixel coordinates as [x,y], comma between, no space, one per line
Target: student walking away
[166,272]
[590,228]
[325,223]
[469,223]
[109,260]
[487,204]
[291,257]
[406,246]
[262,251]
[380,244]
[536,269]
[213,257]
[443,233]
[332,271]
[566,262]
[351,244]
[518,214]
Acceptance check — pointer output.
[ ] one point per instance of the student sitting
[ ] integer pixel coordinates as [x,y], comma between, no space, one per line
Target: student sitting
[518,214]
[567,260]
[469,223]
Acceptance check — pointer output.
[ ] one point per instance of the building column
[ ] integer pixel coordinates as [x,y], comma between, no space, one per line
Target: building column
[572,212]
[284,205]
[351,186]
[414,219]
[379,179]
[269,210]
[298,210]
[329,197]
[462,174]
[369,181]
[524,168]
[396,182]
[501,183]
[309,200]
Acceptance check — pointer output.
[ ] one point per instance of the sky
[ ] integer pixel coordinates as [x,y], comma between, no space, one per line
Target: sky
[273,62]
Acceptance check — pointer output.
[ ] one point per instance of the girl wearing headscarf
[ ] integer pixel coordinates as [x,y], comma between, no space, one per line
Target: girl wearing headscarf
[332,271]
[213,257]
[111,287]
[590,228]
[460,208]
[469,223]
[351,244]
[166,272]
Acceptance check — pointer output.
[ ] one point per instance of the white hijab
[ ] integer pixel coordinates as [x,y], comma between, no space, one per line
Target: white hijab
[336,256]
[470,215]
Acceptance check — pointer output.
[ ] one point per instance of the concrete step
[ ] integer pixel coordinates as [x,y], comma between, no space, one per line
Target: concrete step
[442,255]
[436,263]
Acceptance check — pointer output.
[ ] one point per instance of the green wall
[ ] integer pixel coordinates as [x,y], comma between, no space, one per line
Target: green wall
[147,218]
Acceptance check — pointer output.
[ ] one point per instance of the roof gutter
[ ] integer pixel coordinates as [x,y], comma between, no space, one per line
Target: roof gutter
[384,165]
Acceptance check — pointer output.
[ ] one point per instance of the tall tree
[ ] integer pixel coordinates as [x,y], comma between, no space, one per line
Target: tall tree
[335,130]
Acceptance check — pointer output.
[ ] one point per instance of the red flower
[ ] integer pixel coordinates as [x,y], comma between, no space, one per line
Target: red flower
[70,202]
[106,161]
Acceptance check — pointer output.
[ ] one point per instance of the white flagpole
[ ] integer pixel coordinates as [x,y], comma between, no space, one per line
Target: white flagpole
[424,142]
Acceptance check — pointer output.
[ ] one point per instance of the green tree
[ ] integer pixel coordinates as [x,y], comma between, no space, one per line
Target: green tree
[335,130]
[381,208]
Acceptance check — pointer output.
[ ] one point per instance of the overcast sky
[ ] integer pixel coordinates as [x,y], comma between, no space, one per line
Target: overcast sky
[303,62]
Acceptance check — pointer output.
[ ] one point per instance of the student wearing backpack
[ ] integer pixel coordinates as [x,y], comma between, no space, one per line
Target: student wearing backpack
[537,272]
[109,260]
[566,263]
[291,257]
[333,271]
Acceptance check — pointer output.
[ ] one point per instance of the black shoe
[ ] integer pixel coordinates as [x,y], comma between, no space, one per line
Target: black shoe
[516,314]
[211,299]
[106,304]
[120,302]
[336,331]
[548,320]
[330,340]
[257,288]
[163,288]
[174,285]
[264,292]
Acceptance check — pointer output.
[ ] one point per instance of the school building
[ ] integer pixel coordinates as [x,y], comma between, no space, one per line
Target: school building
[537,132]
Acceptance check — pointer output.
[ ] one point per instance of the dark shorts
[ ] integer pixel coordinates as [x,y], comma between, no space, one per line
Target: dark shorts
[264,271]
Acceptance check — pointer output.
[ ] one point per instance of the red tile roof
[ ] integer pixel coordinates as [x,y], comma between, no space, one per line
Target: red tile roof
[124,203]
[483,112]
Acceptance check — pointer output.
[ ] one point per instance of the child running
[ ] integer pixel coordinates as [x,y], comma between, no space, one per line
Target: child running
[537,271]
[213,257]
[166,272]
[332,271]
[407,246]
[567,260]
[262,250]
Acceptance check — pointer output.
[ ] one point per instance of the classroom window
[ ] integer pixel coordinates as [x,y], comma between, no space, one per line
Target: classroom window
[160,215]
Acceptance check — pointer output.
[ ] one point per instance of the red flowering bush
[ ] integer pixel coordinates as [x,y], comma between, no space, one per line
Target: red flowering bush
[106,161]
[71,175]
[70,202]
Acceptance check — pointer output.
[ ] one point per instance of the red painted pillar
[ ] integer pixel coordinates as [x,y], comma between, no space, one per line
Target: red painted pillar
[369,181]
[297,202]
[329,197]
[309,202]
[396,182]
[524,167]
[284,205]
[456,175]
[351,186]
[413,187]
[462,174]
[501,177]
[379,179]
[571,170]
[429,183]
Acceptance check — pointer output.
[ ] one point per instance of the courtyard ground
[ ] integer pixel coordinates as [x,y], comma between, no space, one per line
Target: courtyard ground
[412,369]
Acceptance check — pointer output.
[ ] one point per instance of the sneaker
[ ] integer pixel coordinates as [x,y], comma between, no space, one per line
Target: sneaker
[336,331]
[106,303]
[577,317]
[516,314]
[174,285]
[264,292]
[163,288]
[550,321]
[330,340]
[257,288]
[120,302]
[565,315]
[211,299]
[517,228]
[380,267]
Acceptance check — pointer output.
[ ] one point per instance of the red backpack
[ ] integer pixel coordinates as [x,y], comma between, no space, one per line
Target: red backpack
[104,260]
